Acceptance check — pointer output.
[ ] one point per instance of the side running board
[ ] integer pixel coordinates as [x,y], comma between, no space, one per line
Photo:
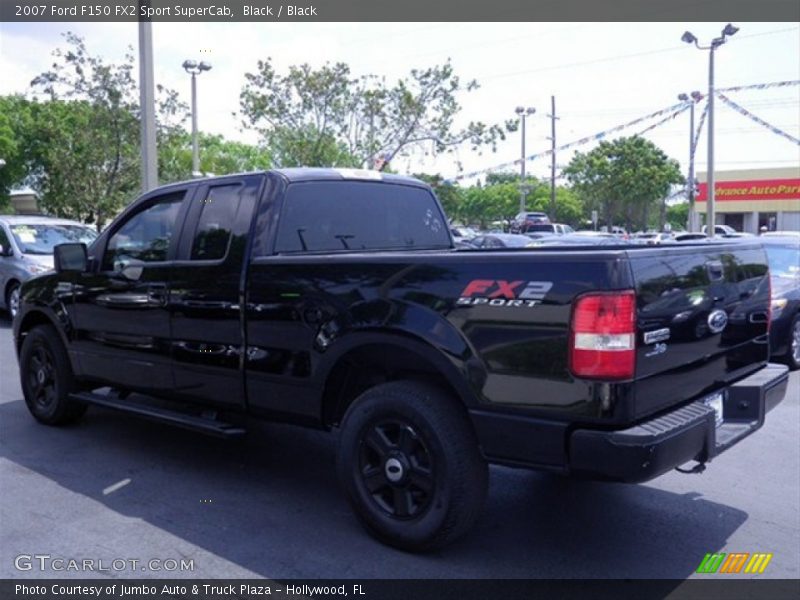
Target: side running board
[163,415]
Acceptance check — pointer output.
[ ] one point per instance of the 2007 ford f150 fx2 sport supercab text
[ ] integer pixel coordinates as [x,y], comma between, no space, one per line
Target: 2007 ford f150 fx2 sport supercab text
[335,299]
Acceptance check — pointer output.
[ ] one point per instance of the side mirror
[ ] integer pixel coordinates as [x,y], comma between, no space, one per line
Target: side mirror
[70,257]
[6,250]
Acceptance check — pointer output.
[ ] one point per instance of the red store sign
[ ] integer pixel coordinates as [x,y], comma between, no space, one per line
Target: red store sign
[762,189]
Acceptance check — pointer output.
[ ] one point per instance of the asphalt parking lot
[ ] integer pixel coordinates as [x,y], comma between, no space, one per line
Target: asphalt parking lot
[270,506]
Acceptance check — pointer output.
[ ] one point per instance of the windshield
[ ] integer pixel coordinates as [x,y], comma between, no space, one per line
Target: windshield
[784,261]
[41,238]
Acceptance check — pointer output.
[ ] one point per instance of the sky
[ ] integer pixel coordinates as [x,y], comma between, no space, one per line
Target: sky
[601,74]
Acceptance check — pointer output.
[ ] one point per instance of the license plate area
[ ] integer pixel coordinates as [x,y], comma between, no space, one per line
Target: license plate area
[717,402]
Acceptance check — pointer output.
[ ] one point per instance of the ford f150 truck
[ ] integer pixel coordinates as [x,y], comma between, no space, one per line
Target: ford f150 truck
[335,299]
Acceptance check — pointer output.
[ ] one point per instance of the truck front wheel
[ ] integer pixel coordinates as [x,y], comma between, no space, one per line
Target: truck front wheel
[46,377]
[410,464]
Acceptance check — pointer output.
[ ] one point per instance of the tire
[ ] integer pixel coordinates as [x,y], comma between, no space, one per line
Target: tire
[46,378]
[410,465]
[12,299]
[793,354]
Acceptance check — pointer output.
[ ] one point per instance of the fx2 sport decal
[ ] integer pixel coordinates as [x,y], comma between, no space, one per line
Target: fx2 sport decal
[498,292]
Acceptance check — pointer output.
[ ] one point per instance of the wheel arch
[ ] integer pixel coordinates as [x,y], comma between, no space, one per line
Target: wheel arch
[7,289]
[33,318]
[368,359]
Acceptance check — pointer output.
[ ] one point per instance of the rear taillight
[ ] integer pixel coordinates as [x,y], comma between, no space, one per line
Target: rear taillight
[603,336]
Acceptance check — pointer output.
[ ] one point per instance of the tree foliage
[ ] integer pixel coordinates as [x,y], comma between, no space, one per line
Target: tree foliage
[77,144]
[624,179]
[330,117]
[218,156]
[498,200]
[15,123]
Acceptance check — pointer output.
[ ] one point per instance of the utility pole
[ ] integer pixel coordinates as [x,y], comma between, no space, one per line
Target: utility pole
[523,187]
[148,107]
[553,158]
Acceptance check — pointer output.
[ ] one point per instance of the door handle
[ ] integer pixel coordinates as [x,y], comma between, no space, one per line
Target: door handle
[157,294]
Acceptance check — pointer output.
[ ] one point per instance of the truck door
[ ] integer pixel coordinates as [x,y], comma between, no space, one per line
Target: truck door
[206,295]
[121,314]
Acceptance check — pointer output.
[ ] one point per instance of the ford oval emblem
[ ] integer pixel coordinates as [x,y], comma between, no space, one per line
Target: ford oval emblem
[717,320]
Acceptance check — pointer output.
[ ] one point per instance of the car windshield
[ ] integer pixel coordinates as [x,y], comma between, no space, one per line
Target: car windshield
[784,261]
[541,227]
[42,238]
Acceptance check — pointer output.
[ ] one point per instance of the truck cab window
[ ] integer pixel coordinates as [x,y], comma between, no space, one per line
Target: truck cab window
[146,235]
[358,216]
[213,232]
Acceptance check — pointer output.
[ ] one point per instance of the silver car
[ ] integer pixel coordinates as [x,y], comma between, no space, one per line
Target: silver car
[26,250]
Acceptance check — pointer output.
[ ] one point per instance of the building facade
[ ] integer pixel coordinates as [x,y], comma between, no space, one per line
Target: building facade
[750,199]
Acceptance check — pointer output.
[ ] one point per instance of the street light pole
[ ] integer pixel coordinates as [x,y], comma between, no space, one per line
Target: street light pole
[194,69]
[523,187]
[695,97]
[690,38]
[195,147]
[710,180]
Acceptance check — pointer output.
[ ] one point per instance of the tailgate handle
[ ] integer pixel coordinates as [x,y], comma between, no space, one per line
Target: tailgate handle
[714,270]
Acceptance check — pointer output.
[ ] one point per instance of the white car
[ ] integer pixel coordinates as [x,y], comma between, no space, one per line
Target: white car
[26,249]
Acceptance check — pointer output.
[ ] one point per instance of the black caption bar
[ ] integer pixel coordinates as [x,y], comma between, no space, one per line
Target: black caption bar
[390,589]
[399,10]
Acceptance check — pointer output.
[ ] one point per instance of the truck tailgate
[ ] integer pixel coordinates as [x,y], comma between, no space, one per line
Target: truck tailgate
[702,319]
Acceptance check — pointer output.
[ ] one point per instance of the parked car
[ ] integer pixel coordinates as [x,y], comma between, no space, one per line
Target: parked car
[554,228]
[653,238]
[596,234]
[334,299]
[580,238]
[524,220]
[720,230]
[502,240]
[786,233]
[689,237]
[463,234]
[783,254]
[26,249]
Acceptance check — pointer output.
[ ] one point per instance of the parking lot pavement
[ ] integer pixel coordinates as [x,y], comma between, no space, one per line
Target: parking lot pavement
[115,487]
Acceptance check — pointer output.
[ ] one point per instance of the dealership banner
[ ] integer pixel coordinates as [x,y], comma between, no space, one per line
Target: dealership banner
[763,189]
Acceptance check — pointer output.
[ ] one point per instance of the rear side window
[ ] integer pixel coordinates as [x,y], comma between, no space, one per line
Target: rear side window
[213,233]
[340,216]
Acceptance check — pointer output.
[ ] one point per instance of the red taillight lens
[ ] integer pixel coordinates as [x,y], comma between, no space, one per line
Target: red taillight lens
[603,336]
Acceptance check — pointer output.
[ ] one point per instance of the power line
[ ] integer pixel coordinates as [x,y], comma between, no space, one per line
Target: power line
[620,57]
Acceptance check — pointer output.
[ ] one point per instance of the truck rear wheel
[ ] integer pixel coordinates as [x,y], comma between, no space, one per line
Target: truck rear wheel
[46,377]
[410,464]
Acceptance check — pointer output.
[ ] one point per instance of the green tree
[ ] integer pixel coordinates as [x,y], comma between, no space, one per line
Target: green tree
[569,208]
[623,179]
[15,125]
[678,216]
[329,117]
[217,155]
[84,149]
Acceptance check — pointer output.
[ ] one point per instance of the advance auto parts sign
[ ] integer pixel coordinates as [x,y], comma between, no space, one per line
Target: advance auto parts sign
[764,189]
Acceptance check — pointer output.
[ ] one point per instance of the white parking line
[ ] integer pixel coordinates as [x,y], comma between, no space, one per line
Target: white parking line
[113,488]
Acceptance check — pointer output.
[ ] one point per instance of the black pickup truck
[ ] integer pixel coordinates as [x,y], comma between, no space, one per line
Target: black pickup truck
[335,299]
